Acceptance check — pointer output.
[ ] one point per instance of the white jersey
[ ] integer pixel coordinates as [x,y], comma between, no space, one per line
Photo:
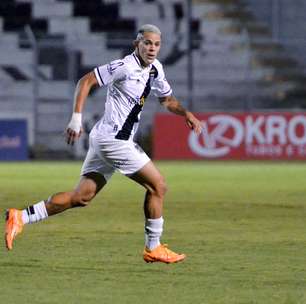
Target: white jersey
[128,85]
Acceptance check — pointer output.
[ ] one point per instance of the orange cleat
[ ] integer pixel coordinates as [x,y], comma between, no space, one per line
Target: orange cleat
[13,226]
[162,254]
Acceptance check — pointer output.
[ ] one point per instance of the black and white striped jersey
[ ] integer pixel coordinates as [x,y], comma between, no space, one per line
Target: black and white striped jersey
[128,85]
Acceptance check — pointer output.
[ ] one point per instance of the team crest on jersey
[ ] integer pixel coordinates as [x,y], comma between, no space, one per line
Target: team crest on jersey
[153,74]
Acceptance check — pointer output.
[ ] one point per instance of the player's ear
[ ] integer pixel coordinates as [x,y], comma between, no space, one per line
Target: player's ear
[135,43]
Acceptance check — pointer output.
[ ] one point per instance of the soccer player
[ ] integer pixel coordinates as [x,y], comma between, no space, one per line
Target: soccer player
[111,147]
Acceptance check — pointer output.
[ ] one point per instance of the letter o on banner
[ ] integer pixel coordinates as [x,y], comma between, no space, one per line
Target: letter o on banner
[294,123]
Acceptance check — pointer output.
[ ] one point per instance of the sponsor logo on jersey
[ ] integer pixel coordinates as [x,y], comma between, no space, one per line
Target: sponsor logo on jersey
[111,67]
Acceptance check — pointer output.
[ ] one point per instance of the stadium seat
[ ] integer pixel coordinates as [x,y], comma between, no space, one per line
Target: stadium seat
[235,59]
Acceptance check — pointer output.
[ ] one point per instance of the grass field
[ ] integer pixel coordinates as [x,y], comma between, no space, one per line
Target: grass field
[242,226]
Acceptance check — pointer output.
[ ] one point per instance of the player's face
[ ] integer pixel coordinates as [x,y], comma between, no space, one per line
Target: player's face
[148,47]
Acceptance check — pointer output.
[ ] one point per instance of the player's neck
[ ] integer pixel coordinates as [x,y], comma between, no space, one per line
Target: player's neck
[143,64]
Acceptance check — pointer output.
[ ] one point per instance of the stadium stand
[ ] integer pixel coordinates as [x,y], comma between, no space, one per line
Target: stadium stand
[237,63]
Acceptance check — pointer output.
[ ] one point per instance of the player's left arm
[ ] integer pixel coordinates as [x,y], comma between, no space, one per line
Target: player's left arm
[174,106]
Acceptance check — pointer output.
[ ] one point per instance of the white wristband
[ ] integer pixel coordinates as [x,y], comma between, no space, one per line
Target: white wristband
[75,123]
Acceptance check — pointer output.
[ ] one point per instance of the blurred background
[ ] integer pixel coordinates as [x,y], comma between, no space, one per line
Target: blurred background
[220,56]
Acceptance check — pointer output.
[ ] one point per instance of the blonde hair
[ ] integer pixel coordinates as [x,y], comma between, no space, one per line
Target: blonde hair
[147,28]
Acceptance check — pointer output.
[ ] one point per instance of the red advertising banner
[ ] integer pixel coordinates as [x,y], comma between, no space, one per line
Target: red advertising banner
[243,136]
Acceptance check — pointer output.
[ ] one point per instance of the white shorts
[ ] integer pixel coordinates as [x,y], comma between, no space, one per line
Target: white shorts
[106,156]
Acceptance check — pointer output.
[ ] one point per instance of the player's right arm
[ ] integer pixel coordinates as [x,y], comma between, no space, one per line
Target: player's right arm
[83,87]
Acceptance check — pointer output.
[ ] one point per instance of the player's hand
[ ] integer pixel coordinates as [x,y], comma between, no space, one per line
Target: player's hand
[72,136]
[74,129]
[193,123]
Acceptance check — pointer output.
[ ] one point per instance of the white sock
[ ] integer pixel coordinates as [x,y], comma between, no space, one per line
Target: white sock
[34,213]
[153,232]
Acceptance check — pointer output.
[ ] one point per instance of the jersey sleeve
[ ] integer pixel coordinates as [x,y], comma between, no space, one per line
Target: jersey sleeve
[160,86]
[110,72]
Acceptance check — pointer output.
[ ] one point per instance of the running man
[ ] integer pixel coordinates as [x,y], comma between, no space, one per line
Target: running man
[111,147]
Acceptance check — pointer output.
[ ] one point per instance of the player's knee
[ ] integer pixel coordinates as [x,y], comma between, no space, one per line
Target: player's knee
[82,199]
[161,188]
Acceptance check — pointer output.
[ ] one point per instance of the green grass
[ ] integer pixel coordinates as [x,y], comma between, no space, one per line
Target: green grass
[242,226]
